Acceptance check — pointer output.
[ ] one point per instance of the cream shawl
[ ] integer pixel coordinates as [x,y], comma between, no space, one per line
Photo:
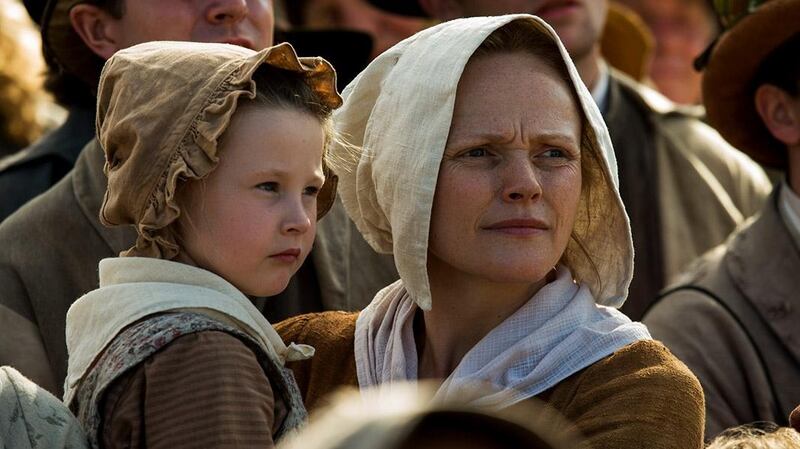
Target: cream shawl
[132,288]
[397,115]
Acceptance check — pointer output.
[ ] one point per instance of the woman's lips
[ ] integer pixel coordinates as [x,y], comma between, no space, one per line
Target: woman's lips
[519,226]
[289,256]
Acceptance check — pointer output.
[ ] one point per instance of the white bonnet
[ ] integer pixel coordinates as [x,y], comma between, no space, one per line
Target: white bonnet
[397,115]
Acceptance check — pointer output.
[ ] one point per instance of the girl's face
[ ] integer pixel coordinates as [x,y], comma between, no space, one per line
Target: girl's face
[252,220]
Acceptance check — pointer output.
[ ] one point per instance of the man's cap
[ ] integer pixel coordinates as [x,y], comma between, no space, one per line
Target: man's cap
[754,29]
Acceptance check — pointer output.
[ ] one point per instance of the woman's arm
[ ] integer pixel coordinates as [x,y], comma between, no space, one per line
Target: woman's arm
[204,390]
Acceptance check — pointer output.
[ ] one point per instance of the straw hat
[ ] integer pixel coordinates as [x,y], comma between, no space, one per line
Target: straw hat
[756,29]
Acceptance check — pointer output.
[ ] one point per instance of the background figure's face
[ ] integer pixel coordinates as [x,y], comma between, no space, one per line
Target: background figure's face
[252,220]
[385,28]
[579,23]
[248,23]
[510,180]
[682,30]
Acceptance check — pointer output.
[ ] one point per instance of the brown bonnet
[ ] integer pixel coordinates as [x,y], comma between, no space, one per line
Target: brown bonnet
[162,108]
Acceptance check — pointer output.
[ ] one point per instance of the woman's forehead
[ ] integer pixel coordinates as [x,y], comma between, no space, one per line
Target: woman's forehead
[513,92]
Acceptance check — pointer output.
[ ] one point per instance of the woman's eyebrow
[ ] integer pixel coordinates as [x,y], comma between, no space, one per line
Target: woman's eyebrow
[471,138]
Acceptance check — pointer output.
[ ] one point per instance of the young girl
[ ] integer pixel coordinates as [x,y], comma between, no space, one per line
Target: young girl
[215,154]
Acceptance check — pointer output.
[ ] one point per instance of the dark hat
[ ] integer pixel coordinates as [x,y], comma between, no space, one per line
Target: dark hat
[402,7]
[348,50]
[35,9]
[755,30]
[63,48]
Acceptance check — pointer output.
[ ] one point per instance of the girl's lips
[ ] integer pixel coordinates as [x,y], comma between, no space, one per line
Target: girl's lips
[290,255]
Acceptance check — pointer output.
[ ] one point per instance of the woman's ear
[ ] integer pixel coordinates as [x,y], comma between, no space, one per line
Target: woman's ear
[780,113]
[97,28]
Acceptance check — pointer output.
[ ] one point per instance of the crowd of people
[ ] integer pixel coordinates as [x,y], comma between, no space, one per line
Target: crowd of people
[468,213]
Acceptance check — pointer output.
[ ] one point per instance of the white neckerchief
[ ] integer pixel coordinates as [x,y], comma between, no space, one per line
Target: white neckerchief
[789,206]
[560,331]
[132,288]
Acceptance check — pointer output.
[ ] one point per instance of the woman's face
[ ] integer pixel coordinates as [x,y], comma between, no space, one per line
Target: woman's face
[510,180]
[252,220]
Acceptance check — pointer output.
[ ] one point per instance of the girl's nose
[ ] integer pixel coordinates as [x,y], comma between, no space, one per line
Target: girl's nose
[298,218]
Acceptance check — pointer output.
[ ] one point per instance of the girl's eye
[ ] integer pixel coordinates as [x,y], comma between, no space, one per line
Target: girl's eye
[268,186]
[311,190]
[476,152]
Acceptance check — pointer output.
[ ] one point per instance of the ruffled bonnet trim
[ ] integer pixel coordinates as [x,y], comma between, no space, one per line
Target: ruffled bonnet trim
[196,155]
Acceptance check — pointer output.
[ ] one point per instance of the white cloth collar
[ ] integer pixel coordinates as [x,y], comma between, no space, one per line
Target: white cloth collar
[789,206]
[132,288]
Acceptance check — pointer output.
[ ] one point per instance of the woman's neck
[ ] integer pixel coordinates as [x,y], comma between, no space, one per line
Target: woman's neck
[464,311]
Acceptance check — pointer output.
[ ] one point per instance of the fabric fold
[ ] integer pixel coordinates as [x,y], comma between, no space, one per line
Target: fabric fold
[558,332]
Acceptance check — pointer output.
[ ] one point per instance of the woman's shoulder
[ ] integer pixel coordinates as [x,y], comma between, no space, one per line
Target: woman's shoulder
[318,328]
[642,385]
[646,364]
[332,334]
[649,355]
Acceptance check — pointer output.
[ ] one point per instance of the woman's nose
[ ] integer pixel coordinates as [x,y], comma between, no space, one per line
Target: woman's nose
[297,219]
[224,12]
[520,181]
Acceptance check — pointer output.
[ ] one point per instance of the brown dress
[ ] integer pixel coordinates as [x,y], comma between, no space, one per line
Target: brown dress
[203,390]
[639,397]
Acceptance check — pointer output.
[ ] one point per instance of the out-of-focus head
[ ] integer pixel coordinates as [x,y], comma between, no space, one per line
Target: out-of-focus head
[215,154]
[79,35]
[682,30]
[406,418]
[386,28]
[751,83]
[20,84]
[758,435]
[481,153]
[579,23]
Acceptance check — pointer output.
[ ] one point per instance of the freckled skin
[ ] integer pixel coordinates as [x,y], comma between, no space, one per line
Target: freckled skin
[258,202]
[513,152]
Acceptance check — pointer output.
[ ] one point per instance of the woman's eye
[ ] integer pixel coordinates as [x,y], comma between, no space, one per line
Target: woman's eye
[476,152]
[311,190]
[268,186]
[555,152]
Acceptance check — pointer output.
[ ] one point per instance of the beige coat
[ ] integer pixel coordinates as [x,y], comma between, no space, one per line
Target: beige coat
[733,319]
[706,188]
[52,246]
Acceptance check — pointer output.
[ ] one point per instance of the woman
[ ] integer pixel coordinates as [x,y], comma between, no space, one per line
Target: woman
[215,153]
[484,166]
